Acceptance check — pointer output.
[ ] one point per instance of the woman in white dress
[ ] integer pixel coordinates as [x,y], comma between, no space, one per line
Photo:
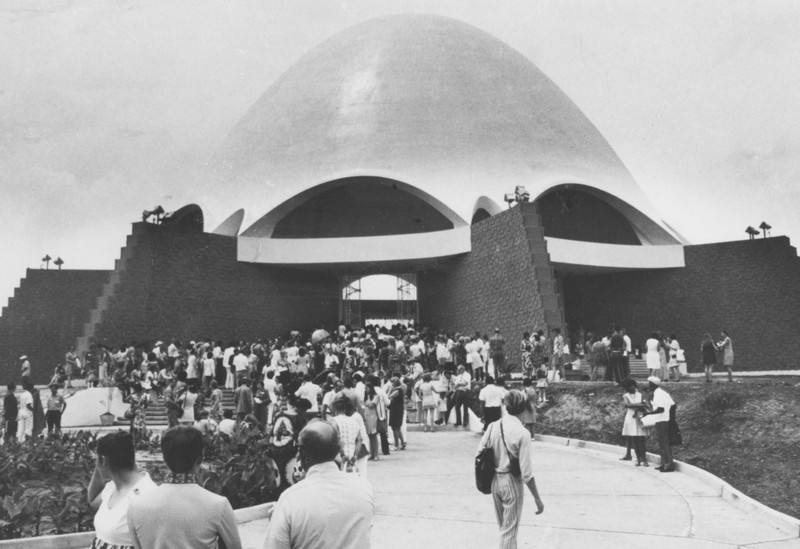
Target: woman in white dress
[632,428]
[651,356]
[726,346]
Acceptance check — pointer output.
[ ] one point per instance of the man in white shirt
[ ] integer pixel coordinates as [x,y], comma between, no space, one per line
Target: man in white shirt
[309,391]
[662,404]
[626,355]
[240,364]
[328,508]
[491,399]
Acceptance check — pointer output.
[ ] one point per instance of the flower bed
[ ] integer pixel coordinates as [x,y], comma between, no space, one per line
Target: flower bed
[43,482]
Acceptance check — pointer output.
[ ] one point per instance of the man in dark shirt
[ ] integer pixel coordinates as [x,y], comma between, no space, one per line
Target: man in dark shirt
[10,409]
[616,350]
[497,345]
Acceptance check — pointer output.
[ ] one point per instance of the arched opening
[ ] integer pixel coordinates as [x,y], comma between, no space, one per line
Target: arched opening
[479,215]
[361,206]
[380,299]
[573,214]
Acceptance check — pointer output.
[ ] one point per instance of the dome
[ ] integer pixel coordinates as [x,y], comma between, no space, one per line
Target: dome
[431,102]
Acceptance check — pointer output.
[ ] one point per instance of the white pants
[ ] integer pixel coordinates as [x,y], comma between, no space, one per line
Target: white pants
[24,427]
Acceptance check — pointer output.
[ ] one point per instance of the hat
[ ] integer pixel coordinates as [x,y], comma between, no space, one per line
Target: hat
[159,343]
[497,329]
[24,357]
[654,380]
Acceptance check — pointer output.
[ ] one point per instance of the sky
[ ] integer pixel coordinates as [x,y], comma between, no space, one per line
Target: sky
[110,107]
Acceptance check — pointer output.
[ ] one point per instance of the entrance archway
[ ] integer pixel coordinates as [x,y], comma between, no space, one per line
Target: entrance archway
[380,299]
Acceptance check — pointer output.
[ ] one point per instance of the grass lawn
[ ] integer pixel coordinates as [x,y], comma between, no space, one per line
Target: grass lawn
[746,433]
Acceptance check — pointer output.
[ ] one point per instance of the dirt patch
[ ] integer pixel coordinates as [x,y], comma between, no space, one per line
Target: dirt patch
[746,433]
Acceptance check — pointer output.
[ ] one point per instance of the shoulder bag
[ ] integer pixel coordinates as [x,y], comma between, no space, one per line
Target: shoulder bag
[514,466]
[484,469]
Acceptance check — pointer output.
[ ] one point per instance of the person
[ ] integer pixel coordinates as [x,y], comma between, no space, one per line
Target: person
[374,410]
[528,417]
[709,353]
[427,400]
[243,399]
[662,404]
[726,346]
[204,424]
[227,426]
[310,391]
[616,348]
[397,412]
[491,400]
[24,414]
[674,366]
[116,482]
[558,353]
[138,402]
[285,431]
[541,384]
[10,411]
[632,428]
[158,519]
[55,408]
[24,368]
[215,411]
[347,500]
[511,445]
[349,441]
[651,356]
[497,344]
[462,382]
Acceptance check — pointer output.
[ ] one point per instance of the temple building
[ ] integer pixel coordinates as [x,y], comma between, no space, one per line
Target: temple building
[424,148]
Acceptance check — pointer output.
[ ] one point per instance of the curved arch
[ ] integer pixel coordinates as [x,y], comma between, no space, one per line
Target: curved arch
[647,231]
[267,225]
[187,217]
[231,225]
[484,208]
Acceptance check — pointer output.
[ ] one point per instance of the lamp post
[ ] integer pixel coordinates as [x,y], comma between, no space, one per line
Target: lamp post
[765,227]
[59,262]
[46,260]
[752,232]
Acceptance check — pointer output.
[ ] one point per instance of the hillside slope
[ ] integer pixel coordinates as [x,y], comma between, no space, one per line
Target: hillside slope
[747,433]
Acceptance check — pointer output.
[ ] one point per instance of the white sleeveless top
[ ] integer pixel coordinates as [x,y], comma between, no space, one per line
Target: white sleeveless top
[111,525]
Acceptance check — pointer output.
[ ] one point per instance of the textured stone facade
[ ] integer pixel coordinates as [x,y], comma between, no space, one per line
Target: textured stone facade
[496,285]
[751,288]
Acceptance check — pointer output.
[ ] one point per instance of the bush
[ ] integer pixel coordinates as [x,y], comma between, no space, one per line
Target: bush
[719,402]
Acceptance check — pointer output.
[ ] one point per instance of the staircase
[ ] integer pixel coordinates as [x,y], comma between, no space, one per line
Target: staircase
[156,412]
[103,301]
[552,303]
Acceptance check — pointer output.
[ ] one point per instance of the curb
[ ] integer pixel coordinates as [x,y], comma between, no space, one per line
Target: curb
[727,492]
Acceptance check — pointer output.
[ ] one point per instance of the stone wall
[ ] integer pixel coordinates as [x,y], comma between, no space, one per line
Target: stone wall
[751,288]
[188,284]
[43,318]
[495,285]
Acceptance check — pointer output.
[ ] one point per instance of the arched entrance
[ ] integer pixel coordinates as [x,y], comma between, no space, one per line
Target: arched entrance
[380,299]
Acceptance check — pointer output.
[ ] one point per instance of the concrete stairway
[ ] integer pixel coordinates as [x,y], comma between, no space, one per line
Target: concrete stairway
[157,413]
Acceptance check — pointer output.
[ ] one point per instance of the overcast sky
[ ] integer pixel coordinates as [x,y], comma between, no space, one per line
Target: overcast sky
[111,107]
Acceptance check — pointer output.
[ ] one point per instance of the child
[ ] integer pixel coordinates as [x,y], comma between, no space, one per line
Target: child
[541,384]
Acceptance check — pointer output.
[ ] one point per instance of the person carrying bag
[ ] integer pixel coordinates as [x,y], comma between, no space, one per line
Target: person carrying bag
[509,446]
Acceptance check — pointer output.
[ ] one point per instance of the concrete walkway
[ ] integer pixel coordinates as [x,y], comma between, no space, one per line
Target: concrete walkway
[426,498]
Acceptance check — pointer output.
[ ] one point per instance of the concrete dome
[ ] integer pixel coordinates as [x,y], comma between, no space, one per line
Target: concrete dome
[429,101]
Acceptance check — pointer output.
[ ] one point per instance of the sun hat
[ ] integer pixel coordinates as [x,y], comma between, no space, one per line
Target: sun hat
[654,380]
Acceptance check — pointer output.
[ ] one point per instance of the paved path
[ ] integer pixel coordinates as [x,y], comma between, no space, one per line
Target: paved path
[426,498]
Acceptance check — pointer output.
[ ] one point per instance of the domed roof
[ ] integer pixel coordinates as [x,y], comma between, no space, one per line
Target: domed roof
[426,100]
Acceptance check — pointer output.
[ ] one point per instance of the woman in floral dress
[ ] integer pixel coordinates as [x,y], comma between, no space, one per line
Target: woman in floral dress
[138,401]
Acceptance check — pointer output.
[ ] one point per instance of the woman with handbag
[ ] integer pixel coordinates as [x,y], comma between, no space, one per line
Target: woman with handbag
[511,445]
[350,441]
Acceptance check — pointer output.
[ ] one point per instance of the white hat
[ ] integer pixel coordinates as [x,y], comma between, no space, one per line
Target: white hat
[654,380]
[24,357]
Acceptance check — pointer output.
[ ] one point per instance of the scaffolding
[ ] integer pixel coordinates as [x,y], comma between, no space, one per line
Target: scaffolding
[351,300]
[407,298]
